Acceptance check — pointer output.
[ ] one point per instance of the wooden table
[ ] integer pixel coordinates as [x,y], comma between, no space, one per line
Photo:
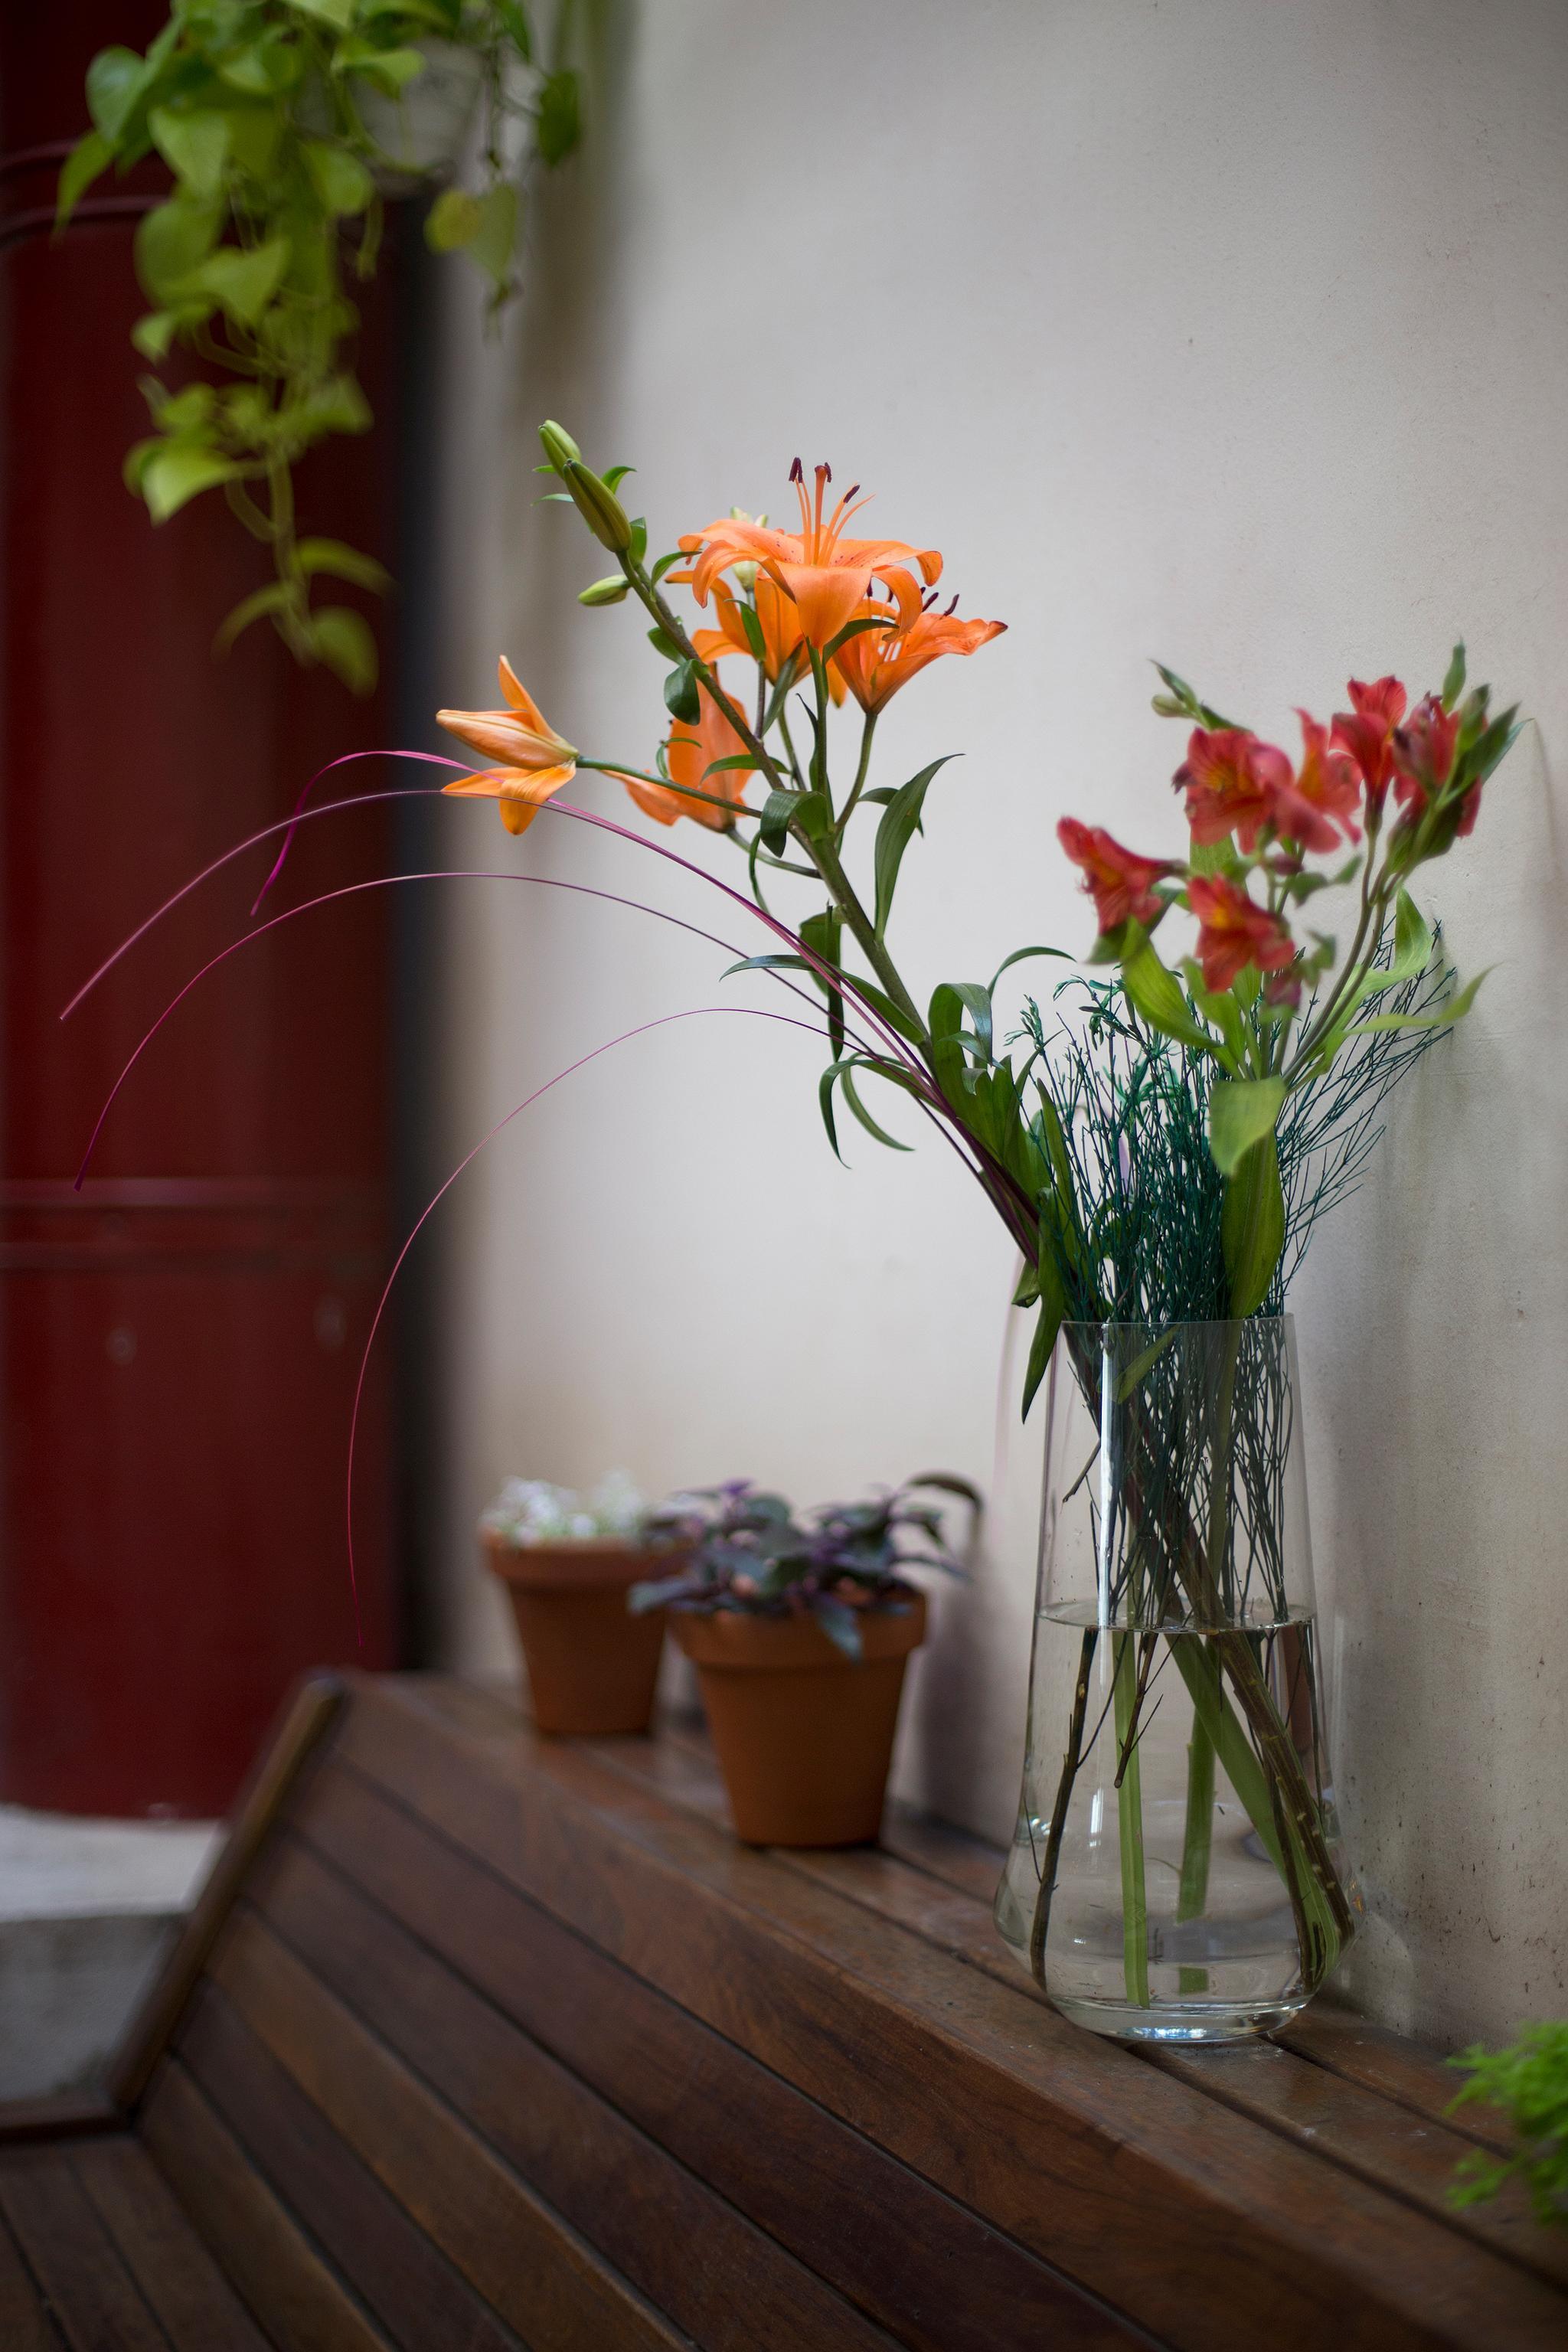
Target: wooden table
[485,2040]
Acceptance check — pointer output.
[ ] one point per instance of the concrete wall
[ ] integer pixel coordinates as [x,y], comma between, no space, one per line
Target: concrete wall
[1232,334]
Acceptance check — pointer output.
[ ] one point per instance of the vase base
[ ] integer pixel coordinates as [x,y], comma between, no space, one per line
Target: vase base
[1184,2023]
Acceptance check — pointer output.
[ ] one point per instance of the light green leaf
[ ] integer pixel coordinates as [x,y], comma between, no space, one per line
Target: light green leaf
[171,241]
[1048,1285]
[452,222]
[92,154]
[194,145]
[115,80]
[153,334]
[1156,994]
[174,472]
[1022,955]
[254,607]
[1411,951]
[340,179]
[1450,1013]
[558,118]
[493,243]
[1454,683]
[390,69]
[1252,1227]
[899,821]
[342,638]
[331,555]
[865,1117]
[339,14]
[243,283]
[1241,1112]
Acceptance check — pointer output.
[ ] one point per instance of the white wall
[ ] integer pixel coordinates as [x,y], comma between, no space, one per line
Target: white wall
[1230,333]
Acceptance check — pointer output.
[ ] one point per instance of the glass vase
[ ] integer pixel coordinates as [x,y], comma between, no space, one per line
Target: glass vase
[1177,1873]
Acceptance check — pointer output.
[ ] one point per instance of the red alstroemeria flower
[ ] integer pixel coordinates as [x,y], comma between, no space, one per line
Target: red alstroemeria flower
[1366,732]
[1234,931]
[690,753]
[877,662]
[825,574]
[1230,779]
[1326,786]
[1423,755]
[1120,882]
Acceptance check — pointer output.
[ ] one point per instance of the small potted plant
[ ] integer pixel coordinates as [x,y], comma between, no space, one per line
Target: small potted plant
[800,1630]
[568,1562]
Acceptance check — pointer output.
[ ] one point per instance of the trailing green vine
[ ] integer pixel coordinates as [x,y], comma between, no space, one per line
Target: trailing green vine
[286,123]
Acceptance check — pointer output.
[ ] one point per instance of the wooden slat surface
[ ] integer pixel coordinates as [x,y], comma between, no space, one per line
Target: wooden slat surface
[25,2325]
[1334,2101]
[1139,2185]
[516,2252]
[584,2074]
[92,2299]
[179,2280]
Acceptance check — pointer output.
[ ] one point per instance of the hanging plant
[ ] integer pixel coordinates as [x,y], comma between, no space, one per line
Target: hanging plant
[286,125]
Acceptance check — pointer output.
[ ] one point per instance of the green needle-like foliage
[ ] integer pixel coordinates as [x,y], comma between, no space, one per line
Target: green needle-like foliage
[1529,2081]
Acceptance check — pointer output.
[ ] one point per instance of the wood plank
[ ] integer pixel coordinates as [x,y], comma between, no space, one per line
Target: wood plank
[786,2165]
[308,1716]
[93,2298]
[297,2300]
[940,1881]
[984,2091]
[400,2276]
[182,2285]
[1413,2077]
[25,2322]
[65,2114]
[527,2262]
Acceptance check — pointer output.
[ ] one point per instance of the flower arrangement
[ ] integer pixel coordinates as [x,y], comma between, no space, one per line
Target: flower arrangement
[276,118]
[749,1553]
[533,1511]
[1159,1161]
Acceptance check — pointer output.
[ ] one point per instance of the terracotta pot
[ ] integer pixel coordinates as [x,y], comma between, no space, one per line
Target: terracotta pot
[592,1665]
[805,1735]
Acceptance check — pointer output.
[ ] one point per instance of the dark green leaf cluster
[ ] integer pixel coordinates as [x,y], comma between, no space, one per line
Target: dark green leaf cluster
[1529,2081]
[748,1551]
[283,121]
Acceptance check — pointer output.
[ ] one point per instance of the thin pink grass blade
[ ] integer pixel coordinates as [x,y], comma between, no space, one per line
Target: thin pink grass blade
[432,758]
[692,1013]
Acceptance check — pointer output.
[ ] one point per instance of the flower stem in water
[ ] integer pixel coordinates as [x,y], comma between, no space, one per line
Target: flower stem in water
[1130,1825]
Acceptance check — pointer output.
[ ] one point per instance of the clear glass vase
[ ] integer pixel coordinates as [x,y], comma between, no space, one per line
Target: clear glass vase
[1177,1874]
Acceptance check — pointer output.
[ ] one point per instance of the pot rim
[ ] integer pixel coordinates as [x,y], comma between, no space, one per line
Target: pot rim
[569,1562]
[735,1641]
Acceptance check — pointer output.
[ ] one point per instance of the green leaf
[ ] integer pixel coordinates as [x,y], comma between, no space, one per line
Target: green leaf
[115,80]
[1052,1308]
[243,283]
[176,471]
[342,562]
[1450,1013]
[92,154]
[1156,994]
[254,607]
[494,241]
[515,25]
[901,821]
[1241,1112]
[734,759]
[856,629]
[1022,955]
[342,639]
[340,179]
[558,116]
[339,14]
[391,69]
[194,145]
[1252,1227]
[879,1133]
[1454,683]
[171,243]
[1412,953]
[681,697]
[774,831]
[152,335]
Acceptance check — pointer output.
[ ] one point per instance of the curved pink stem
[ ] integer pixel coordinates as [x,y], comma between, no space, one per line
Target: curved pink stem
[692,1013]
[432,758]
[387,882]
[282,824]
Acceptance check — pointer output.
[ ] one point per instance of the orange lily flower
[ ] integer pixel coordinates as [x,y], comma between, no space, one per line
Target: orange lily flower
[689,755]
[877,662]
[826,576]
[780,626]
[538,761]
